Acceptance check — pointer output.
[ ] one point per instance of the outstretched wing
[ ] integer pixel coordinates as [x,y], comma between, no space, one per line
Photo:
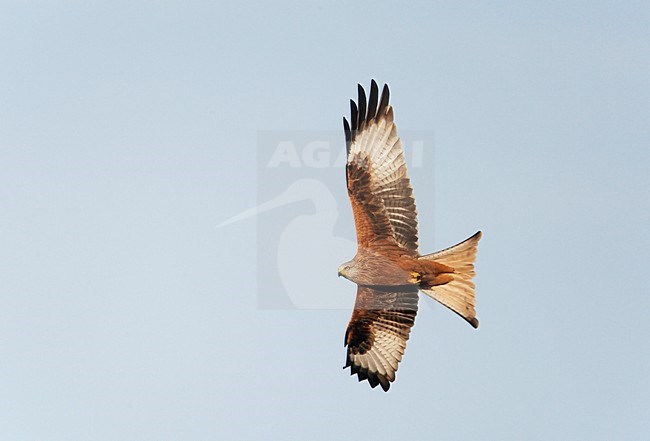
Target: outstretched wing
[377,333]
[378,184]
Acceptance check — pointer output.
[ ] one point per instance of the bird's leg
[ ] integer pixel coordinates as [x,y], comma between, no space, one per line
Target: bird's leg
[434,274]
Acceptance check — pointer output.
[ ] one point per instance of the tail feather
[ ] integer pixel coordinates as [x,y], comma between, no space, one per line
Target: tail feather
[458,293]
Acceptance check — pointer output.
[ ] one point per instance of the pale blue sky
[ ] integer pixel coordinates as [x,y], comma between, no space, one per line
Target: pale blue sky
[130,130]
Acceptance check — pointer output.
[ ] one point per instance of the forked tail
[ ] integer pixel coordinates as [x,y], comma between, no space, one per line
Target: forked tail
[455,289]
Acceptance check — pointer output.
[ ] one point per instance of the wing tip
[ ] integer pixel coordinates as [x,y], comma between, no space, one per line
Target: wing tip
[348,133]
[372,100]
[373,379]
[362,105]
[368,107]
[354,117]
[385,98]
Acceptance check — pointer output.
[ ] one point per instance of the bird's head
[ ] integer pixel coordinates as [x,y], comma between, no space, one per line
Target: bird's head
[346,269]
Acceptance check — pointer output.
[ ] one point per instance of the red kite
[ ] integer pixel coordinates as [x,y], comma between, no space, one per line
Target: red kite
[388,268]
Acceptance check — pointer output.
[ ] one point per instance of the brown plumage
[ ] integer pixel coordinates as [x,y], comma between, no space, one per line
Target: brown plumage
[388,268]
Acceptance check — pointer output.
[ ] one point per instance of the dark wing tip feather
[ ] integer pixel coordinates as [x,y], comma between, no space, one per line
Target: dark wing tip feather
[362,105]
[348,134]
[367,108]
[383,102]
[354,115]
[372,102]
[374,379]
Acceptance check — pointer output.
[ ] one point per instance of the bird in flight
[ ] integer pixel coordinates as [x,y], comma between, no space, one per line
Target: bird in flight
[388,269]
